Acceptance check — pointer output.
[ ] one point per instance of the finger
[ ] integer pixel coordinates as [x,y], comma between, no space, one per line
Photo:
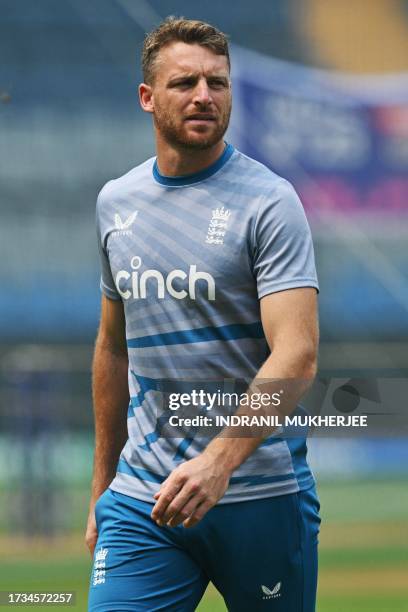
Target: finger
[184,503]
[177,505]
[189,490]
[198,514]
[167,495]
[187,511]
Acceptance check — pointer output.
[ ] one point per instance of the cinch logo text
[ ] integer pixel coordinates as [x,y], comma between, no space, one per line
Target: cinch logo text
[159,284]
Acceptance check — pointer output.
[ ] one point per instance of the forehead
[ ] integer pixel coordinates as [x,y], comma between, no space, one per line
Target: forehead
[179,58]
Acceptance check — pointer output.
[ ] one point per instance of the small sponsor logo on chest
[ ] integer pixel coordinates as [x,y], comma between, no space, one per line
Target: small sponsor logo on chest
[122,228]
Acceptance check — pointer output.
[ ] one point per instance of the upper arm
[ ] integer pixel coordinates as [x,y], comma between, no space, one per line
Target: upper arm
[104,214]
[112,327]
[290,320]
[285,274]
[282,248]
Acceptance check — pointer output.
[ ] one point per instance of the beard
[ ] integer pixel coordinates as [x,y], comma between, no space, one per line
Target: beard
[176,134]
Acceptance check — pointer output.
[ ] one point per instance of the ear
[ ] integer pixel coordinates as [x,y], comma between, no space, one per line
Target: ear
[146,97]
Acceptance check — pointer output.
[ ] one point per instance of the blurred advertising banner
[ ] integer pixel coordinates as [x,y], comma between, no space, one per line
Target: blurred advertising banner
[341,139]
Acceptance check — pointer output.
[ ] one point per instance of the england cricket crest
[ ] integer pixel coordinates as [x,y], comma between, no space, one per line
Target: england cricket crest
[99,568]
[218,226]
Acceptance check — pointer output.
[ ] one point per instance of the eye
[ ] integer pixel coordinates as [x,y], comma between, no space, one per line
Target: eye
[217,83]
[184,83]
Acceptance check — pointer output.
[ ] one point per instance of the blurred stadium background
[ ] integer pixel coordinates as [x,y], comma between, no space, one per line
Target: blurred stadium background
[321,96]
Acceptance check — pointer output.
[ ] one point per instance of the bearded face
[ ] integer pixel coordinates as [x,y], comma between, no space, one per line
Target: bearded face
[191,96]
[201,131]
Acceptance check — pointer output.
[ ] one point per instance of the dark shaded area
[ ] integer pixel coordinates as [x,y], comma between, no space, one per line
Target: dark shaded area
[74,53]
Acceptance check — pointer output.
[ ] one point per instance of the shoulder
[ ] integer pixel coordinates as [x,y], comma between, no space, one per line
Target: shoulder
[119,187]
[269,192]
[255,174]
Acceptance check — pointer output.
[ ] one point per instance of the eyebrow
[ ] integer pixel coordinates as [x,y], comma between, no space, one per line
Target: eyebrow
[193,76]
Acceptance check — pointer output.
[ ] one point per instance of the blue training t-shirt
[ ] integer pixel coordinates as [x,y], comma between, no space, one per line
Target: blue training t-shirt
[190,257]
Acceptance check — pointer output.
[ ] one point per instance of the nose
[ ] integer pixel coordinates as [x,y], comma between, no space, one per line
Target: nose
[202,93]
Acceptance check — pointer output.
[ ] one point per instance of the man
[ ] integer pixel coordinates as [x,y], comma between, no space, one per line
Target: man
[207,274]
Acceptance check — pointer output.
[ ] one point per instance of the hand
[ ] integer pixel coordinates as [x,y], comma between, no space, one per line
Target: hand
[91,534]
[190,491]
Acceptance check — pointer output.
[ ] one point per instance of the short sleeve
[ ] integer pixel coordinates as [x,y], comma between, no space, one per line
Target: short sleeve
[283,256]
[107,284]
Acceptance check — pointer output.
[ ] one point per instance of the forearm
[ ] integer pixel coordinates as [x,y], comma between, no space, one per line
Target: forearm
[288,371]
[110,399]
[196,485]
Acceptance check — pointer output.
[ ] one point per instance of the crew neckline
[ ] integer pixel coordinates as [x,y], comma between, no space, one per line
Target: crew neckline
[195,177]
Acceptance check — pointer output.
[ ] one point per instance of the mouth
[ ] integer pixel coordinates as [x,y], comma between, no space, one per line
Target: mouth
[201,118]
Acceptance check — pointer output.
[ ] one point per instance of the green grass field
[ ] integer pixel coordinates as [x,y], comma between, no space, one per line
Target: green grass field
[363,555]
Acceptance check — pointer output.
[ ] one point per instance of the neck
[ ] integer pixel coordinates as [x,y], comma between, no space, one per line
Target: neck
[178,161]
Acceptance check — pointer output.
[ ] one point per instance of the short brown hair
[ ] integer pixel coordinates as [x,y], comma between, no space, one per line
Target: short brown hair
[178,29]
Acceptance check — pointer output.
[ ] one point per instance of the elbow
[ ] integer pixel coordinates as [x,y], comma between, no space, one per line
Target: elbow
[108,344]
[306,362]
[299,360]
[310,368]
